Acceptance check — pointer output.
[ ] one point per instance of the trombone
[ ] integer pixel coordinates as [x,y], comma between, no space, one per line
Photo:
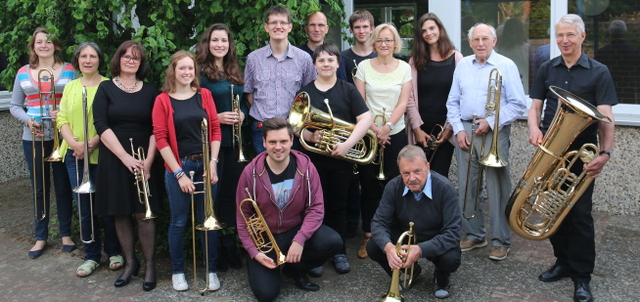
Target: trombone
[211,222]
[55,154]
[380,161]
[142,184]
[86,187]
[237,128]
[258,229]
[492,158]
[407,238]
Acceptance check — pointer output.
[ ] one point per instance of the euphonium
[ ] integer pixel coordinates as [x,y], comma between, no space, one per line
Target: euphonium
[211,222]
[303,116]
[86,187]
[259,230]
[380,161]
[142,184]
[407,238]
[548,189]
[237,129]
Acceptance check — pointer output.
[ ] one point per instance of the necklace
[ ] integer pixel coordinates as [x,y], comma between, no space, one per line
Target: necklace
[124,88]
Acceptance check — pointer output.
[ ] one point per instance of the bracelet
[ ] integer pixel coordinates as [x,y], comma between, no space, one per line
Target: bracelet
[215,159]
[605,152]
[176,172]
[179,175]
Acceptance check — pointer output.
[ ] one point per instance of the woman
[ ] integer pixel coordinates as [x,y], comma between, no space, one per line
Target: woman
[86,59]
[385,84]
[177,117]
[26,106]
[512,43]
[335,173]
[433,60]
[122,116]
[220,72]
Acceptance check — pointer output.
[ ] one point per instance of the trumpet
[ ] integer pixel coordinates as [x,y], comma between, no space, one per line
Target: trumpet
[407,238]
[86,187]
[432,143]
[142,185]
[258,229]
[237,128]
[380,161]
[211,222]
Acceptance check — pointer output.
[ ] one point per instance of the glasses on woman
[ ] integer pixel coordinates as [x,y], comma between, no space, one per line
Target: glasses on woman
[387,41]
[129,59]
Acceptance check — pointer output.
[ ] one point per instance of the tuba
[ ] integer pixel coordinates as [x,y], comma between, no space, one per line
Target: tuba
[86,187]
[304,116]
[548,189]
[259,230]
[393,295]
[142,185]
[237,129]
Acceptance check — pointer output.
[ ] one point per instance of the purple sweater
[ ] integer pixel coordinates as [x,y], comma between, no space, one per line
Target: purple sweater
[305,206]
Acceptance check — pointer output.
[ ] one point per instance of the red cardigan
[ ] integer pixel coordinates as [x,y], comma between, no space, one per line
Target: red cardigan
[165,131]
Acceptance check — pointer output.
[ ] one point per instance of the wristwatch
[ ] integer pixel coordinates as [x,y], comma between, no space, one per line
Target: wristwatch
[390,125]
[605,152]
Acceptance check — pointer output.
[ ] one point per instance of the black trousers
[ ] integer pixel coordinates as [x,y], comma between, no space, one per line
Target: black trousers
[265,282]
[229,170]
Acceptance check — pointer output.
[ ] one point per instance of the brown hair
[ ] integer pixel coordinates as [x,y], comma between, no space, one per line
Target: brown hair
[361,14]
[277,10]
[81,47]
[170,75]
[420,52]
[276,123]
[231,69]
[57,47]
[136,49]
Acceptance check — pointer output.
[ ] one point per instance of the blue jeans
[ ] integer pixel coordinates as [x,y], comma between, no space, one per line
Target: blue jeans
[180,208]
[64,196]
[92,251]
[256,137]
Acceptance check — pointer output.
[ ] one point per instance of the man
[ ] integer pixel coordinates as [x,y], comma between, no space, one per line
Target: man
[429,200]
[286,187]
[316,29]
[274,73]
[468,97]
[574,243]
[361,25]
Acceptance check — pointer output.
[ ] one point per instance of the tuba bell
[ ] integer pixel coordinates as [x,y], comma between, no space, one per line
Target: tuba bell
[259,230]
[304,116]
[548,189]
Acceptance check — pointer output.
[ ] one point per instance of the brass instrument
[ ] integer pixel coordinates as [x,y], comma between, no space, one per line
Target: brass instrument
[354,71]
[237,129]
[86,187]
[303,116]
[432,145]
[142,185]
[548,189]
[211,222]
[380,161]
[259,230]
[55,154]
[393,295]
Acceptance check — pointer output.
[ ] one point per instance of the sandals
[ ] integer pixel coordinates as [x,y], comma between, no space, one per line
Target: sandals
[116,262]
[87,267]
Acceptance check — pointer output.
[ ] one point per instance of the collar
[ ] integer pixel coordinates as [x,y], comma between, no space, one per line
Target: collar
[289,53]
[426,190]
[582,61]
[490,60]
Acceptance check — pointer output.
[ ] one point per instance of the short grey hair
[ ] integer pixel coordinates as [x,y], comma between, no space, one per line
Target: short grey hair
[410,153]
[493,30]
[617,29]
[80,48]
[572,19]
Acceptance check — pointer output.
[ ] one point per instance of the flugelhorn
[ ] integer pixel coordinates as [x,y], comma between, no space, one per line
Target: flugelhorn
[303,116]
[380,161]
[548,189]
[86,187]
[142,184]
[259,230]
[407,238]
[237,128]
[211,222]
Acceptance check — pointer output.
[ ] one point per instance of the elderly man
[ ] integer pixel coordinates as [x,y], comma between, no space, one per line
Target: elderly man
[316,28]
[468,99]
[573,243]
[429,200]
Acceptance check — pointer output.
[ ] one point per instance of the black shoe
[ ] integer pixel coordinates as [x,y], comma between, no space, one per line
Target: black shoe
[582,292]
[316,272]
[148,286]
[301,280]
[35,254]
[555,273]
[120,282]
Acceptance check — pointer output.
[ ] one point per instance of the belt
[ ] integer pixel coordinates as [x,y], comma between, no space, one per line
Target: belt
[193,157]
[468,121]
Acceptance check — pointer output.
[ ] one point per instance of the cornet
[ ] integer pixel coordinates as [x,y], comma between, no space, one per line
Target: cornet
[142,185]
[86,187]
[237,128]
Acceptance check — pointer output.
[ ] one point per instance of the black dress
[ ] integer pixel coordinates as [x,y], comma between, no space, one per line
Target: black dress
[128,115]
[434,84]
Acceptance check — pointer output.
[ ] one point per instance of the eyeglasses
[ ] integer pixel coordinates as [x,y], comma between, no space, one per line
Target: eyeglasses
[129,59]
[281,23]
[569,36]
[387,41]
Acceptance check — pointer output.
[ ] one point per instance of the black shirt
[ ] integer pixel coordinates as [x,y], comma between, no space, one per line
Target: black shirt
[346,68]
[588,79]
[187,118]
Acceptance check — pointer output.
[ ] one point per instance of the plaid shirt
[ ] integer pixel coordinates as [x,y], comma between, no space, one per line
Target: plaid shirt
[274,82]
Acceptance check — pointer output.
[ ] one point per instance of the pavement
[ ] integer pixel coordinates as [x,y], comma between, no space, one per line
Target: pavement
[51,277]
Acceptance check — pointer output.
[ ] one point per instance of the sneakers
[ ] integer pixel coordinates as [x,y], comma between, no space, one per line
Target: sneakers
[341,264]
[467,244]
[499,253]
[214,283]
[179,282]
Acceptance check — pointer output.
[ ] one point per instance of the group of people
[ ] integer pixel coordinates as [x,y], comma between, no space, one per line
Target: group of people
[419,113]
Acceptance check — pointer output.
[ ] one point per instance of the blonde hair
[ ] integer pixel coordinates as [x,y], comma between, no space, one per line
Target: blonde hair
[397,41]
